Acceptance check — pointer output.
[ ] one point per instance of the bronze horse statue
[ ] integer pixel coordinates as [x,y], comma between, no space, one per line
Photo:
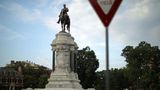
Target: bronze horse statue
[65,20]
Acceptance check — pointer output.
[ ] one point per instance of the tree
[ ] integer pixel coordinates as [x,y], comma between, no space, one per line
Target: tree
[143,66]
[100,80]
[87,64]
[35,76]
[118,79]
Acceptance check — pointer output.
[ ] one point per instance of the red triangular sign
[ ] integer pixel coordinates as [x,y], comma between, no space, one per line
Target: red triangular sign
[105,9]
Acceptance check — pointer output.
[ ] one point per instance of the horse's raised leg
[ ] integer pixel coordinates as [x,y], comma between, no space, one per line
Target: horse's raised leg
[62,26]
[68,28]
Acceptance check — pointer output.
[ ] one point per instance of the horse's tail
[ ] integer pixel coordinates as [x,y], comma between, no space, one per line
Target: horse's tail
[68,26]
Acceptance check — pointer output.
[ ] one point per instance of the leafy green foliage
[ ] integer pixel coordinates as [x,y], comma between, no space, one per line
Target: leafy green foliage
[35,76]
[143,66]
[118,79]
[142,71]
[100,80]
[87,64]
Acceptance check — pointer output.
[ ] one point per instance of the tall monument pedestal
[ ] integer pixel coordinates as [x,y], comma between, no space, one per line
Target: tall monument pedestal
[63,74]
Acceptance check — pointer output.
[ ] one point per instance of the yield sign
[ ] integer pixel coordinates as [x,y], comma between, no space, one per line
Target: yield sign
[105,9]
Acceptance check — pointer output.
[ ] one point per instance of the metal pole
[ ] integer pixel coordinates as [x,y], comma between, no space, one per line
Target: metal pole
[107,59]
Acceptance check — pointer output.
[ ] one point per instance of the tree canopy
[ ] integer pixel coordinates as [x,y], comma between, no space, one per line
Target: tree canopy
[142,71]
[143,66]
[87,64]
[35,76]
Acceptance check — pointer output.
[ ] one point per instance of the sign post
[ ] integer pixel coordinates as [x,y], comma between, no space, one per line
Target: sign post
[106,9]
[107,60]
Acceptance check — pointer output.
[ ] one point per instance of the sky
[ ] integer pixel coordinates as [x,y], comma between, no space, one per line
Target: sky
[27,28]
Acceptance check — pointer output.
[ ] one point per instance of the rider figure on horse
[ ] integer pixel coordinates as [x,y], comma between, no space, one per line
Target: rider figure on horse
[63,13]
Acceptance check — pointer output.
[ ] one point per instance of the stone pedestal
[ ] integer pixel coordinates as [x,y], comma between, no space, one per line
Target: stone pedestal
[63,74]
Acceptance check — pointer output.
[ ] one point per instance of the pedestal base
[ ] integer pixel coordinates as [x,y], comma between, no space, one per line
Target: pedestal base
[59,89]
[64,89]
[63,79]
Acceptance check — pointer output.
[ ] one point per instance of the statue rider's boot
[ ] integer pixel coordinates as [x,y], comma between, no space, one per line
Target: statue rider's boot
[58,22]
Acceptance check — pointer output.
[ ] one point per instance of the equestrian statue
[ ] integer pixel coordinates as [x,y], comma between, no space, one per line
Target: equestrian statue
[64,19]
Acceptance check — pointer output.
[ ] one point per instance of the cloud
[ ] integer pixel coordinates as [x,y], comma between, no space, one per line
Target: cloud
[140,10]
[85,25]
[39,3]
[136,23]
[21,12]
[87,29]
[41,60]
[8,34]
[50,22]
